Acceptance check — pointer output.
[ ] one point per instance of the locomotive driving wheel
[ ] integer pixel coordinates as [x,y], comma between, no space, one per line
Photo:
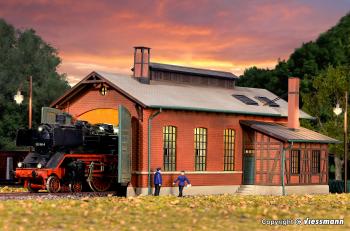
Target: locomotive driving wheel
[53,184]
[64,188]
[100,184]
[31,189]
[76,187]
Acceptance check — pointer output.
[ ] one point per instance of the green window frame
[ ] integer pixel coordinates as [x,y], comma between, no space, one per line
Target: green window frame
[169,148]
[200,149]
[229,149]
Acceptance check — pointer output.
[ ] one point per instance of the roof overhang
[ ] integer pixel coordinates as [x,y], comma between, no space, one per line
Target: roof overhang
[283,133]
[213,110]
[92,78]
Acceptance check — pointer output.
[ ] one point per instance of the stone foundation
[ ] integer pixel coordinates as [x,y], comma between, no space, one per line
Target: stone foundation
[194,190]
[232,189]
[277,190]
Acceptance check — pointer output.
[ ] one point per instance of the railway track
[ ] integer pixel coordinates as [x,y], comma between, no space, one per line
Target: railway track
[45,195]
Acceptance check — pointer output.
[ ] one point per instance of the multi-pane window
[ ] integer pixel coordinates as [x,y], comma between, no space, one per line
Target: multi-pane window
[295,162]
[200,148]
[229,149]
[169,148]
[315,161]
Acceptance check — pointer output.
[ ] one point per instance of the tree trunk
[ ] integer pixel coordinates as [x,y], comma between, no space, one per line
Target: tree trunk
[338,168]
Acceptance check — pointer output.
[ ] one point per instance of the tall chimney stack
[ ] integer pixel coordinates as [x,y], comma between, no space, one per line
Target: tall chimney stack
[141,63]
[293,103]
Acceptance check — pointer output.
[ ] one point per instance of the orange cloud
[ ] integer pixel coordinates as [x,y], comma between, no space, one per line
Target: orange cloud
[227,35]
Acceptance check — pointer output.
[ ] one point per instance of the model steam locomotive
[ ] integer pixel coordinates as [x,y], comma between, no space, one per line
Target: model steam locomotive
[68,156]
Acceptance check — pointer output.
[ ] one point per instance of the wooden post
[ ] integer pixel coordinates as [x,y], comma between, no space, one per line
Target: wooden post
[30,101]
[346,141]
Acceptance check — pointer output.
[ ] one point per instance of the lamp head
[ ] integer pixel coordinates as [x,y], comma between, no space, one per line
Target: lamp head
[337,110]
[18,97]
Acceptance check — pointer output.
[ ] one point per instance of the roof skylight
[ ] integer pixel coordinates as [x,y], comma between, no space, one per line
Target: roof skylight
[246,100]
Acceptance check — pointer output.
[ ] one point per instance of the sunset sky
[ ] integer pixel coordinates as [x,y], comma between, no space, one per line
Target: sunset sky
[223,35]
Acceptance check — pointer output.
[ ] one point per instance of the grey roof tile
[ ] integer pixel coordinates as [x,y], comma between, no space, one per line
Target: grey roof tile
[282,132]
[199,98]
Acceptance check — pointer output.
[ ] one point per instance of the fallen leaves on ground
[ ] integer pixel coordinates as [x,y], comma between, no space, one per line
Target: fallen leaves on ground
[7,189]
[221,212]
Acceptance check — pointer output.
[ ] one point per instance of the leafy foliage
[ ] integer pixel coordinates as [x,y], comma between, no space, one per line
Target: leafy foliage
[331,48]
[330,86]
[23,54]
[323,67]
[223,212]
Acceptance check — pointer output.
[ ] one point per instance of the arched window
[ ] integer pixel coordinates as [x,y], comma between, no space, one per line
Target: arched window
[169,148]
[200,148]
[229,149]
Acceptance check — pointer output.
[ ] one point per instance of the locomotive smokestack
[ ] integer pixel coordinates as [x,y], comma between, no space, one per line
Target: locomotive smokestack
[141,64]
[293,103]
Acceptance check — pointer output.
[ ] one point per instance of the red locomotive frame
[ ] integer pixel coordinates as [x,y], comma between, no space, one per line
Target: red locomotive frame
[98,177]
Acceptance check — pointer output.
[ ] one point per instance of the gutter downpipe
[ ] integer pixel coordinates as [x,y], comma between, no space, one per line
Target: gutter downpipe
[283,165]
[149,148]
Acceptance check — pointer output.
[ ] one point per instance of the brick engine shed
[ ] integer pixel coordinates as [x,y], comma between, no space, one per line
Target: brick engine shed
[228,139]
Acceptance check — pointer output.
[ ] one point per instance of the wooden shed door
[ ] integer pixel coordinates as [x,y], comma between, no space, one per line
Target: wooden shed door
[124,146]
[248,167]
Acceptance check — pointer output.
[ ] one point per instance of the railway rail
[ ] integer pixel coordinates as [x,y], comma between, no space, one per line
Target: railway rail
[46,195]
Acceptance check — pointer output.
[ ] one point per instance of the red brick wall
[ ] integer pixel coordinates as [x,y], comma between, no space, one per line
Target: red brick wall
[201,179]
[186,122]
[92,99]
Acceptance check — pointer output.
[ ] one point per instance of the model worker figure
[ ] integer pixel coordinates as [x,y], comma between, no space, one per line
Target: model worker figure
[182,179]
[157,182]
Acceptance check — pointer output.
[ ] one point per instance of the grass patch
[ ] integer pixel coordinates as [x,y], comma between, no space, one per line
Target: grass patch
[224,212]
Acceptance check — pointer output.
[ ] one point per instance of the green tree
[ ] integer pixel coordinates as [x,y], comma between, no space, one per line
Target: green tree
[23,53]
[323,67]
[331,48]
[330,86]
[256,77]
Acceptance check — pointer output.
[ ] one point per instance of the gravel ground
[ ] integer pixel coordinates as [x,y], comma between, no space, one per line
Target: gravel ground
[50,196]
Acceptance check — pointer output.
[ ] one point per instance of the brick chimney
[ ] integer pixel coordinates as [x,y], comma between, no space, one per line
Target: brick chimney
[141,63]
[293,103]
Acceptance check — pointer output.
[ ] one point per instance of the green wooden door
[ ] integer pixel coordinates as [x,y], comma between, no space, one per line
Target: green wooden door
[124,146]
[248,169]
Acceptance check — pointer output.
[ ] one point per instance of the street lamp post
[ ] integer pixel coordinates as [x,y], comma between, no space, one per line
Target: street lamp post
[30,110]
[346,141]
[337,110]
[19,99]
